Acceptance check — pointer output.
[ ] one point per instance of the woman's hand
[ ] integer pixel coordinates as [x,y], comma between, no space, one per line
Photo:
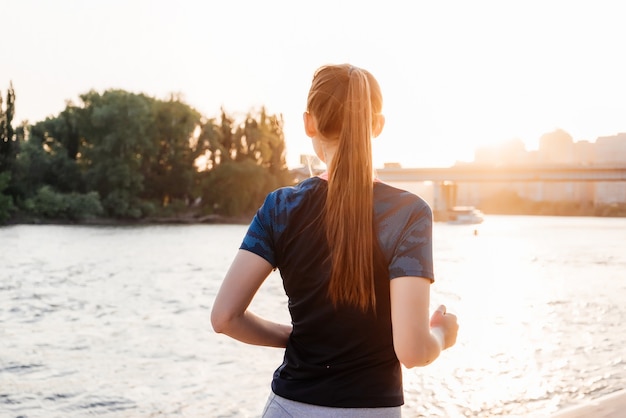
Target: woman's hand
[446,324]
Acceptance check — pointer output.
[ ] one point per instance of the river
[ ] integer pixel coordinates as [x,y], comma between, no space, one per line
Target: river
[114,321]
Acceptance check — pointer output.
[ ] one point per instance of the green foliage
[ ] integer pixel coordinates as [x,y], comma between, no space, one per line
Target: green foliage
[258,138]
[172,209]
[125,155]
[218,140]
[83,206]
[8,147]
[120,203]
[117,127]
[6,202]
[43,160]
[47,203]
[169,173]
[237,189]
[245,162]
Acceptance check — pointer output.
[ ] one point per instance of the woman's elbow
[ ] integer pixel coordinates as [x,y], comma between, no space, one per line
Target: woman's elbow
[415,358]
[220,320]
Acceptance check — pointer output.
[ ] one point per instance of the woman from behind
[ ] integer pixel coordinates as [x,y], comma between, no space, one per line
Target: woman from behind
[355,257]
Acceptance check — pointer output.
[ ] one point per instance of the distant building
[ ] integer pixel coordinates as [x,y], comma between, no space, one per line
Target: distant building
[556,148]
[584,153]
[611,149]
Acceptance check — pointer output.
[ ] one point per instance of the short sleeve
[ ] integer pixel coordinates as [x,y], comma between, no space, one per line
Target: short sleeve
[413,254]
[259,237]
[271,220]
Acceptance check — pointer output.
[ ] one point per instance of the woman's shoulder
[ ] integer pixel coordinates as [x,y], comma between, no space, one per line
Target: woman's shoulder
[305,186]
[389,196]
[288,197]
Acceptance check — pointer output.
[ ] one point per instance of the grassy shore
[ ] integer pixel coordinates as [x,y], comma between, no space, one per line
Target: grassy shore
[183,218]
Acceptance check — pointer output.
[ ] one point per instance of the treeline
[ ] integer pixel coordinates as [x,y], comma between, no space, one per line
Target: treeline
[125,156]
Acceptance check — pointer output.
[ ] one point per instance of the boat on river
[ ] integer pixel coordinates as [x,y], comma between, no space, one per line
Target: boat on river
[465,215]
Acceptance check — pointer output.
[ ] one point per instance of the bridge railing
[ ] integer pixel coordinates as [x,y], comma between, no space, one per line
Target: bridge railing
[525,173]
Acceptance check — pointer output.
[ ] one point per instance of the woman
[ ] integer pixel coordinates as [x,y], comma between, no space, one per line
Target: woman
[355,256]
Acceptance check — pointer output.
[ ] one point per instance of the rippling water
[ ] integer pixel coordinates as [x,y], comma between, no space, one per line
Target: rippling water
[114,321]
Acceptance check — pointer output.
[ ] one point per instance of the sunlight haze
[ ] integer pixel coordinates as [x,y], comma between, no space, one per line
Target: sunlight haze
[455,75]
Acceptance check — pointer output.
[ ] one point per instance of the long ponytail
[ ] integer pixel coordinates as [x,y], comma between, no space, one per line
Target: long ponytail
[344,100]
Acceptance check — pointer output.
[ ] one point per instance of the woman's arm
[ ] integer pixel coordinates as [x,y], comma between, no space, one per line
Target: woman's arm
[418,340]
[230,313]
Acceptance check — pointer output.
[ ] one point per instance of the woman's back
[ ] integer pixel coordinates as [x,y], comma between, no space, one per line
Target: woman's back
[355,256]
[339,355]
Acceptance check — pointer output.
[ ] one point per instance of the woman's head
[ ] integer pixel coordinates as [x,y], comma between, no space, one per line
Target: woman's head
[344,105]
[340,91]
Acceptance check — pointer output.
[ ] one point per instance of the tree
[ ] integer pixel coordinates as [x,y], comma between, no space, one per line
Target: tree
[32,165]
[237,188]
[8,151]
[245,162]
[275,152]
[170,172]
[117,128]
[218,140]
[67,130]
[8,148]
[127,155]
[48,203]
[49,156]
[6,202]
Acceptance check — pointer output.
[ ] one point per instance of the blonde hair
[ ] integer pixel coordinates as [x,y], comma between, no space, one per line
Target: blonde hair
[344,101]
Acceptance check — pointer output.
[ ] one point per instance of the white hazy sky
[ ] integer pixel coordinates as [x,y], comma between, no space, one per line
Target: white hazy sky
[455,74]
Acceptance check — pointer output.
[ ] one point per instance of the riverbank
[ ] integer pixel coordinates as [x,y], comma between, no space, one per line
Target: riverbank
[182,219]
[609,406]
[219,219]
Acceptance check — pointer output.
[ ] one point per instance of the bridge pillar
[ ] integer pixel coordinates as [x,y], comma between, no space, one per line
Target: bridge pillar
[444,197]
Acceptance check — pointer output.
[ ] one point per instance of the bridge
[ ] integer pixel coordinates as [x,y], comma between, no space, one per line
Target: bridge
[445,181]
[471,173]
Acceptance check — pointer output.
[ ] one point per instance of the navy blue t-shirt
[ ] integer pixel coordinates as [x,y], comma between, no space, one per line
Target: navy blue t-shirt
[339,356]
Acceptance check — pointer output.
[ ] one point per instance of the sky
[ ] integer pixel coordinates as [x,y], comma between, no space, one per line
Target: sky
[455,75]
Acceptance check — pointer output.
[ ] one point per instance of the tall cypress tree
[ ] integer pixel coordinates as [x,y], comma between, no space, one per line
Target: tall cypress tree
[7,134]
[7,154]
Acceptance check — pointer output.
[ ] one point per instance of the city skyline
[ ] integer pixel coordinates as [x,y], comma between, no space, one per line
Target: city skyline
[455,76]
[558,147]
